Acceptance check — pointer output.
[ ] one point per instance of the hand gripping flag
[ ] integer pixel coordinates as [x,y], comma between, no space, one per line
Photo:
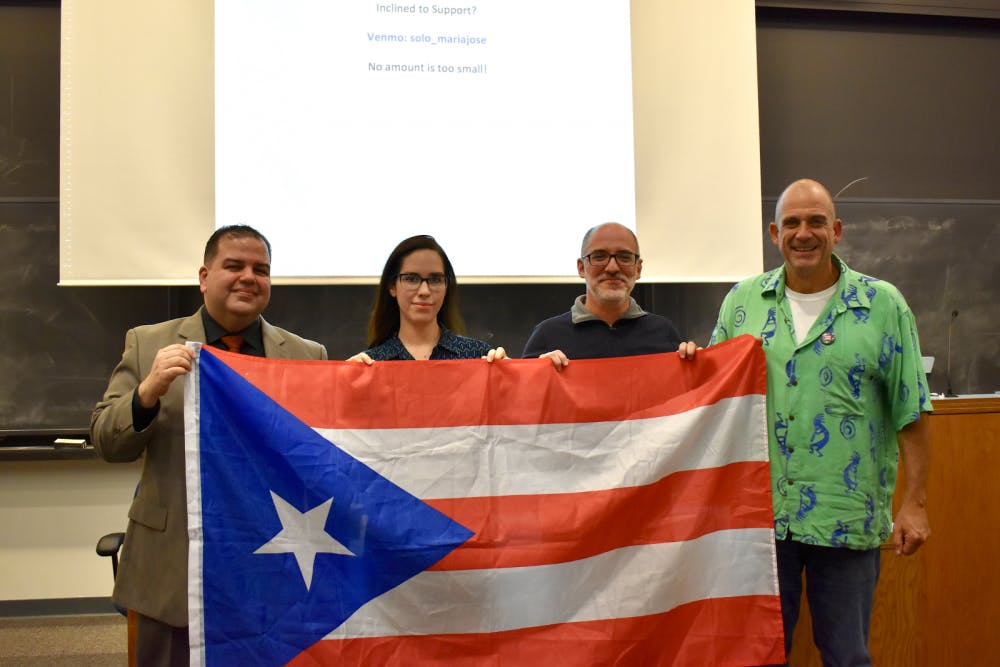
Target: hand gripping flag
[465,513]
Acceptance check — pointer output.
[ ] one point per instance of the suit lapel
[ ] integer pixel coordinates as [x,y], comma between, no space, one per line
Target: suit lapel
[192,329]
[274,342]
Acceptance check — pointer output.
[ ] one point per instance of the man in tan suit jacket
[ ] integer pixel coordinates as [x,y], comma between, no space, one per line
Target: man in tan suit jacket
[142,413]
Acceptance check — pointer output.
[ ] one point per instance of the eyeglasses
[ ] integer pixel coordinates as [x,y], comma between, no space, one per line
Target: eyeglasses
[435,281]
[603,257]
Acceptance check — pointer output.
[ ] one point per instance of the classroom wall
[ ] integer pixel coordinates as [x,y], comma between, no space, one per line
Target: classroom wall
[51,515]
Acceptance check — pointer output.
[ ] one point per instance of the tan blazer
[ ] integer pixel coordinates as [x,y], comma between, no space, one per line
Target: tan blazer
[152,577]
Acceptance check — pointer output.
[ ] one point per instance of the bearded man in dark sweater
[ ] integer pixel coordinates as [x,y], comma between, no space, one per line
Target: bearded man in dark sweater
[606,321]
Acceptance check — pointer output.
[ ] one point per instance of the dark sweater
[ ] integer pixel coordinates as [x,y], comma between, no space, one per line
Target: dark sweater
[638,332]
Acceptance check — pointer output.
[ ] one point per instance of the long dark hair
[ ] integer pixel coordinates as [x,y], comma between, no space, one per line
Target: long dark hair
[384,322]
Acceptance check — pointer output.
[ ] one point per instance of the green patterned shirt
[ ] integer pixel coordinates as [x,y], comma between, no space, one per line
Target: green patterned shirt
[834,403]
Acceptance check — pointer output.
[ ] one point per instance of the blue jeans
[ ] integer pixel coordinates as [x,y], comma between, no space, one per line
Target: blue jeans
[840,587]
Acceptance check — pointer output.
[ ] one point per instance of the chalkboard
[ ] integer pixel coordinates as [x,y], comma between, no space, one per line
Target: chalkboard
[57,345]
[905,102]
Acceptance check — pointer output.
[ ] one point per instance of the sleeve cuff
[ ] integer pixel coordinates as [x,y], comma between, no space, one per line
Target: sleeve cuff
[142,416]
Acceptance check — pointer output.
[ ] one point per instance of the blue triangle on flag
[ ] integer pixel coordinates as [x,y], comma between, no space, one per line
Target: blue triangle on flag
[257,607]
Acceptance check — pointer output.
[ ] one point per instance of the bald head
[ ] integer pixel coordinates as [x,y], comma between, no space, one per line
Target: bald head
[609,225]
[805,230]
[805,188]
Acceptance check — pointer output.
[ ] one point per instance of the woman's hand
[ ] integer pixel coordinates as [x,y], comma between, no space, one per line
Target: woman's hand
[362,358]
[494,354]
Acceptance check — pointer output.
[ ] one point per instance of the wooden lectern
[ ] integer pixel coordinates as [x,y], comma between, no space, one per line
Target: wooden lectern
[941,606]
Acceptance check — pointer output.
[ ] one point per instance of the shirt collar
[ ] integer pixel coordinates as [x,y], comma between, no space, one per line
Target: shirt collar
[852,289]
[579,312]
[395,350]
[253,337]
[448,340]
[774,280]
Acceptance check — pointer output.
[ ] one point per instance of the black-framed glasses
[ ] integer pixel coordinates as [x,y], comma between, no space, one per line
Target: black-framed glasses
[603,258]
[435,281]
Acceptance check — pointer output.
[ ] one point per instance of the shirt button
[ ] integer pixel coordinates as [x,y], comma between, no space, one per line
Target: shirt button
[791,418]
[791,449]
[790,482]
[795,383]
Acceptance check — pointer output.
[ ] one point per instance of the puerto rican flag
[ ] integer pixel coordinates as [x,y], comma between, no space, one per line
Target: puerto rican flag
[465,513]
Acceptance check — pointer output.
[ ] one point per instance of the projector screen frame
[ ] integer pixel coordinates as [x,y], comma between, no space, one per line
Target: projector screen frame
[158,187]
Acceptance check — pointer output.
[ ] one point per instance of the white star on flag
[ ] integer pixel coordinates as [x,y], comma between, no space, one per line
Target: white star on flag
[303,534]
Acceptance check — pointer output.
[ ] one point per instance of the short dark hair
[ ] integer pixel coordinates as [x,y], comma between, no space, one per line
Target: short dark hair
[590,232]
[233,232]
[384,322]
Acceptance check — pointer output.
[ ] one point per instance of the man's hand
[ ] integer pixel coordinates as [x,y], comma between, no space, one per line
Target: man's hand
[361,358]
[169,364]
[494,354]
[910,529]
[557,357]
[687,350]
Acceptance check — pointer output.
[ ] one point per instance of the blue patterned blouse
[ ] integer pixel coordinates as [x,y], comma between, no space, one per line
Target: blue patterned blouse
[449,346]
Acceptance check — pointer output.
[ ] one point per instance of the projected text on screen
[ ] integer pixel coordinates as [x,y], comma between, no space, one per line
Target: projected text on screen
[342,128]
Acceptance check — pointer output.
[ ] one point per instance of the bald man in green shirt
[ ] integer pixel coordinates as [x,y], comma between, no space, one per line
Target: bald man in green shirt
[846,393]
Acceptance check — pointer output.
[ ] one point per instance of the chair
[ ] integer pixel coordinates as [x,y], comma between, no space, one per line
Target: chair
[110,546]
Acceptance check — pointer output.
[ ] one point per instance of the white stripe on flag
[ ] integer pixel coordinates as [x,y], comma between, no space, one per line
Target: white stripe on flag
[489,460]
[192,471]
[636,581]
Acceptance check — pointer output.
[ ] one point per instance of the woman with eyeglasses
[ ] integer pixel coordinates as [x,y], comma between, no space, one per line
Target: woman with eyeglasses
[415,315]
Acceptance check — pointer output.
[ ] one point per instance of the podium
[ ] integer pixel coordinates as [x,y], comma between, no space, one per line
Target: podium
[941,606]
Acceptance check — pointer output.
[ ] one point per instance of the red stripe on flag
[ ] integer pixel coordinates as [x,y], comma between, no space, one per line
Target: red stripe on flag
[720,632]
[328,394]
[516,531]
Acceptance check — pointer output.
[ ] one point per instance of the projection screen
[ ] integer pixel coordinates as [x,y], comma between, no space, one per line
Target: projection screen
[505,129]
